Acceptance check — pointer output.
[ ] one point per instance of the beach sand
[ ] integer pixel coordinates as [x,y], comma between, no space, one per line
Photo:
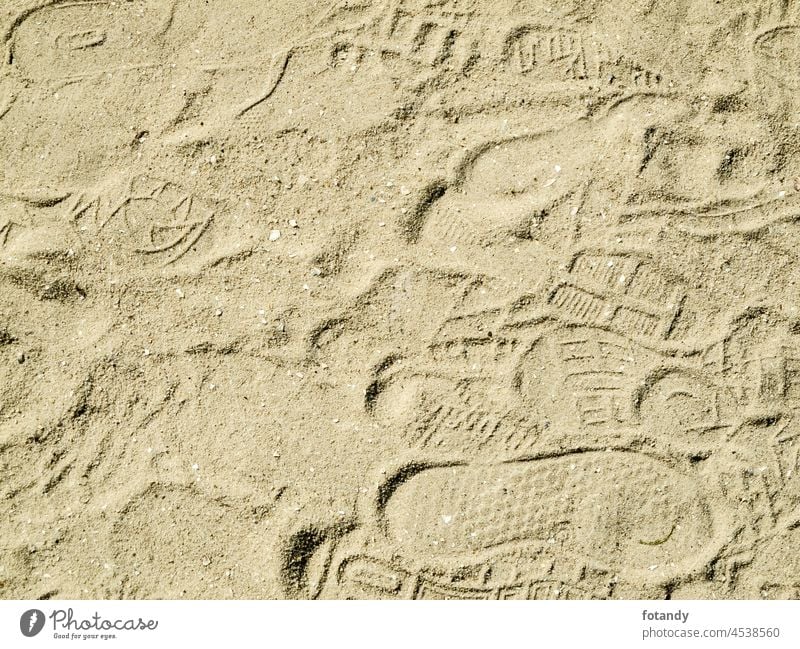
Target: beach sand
[400,299]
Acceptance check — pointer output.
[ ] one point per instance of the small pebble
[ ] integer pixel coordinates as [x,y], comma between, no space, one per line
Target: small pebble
[274,235]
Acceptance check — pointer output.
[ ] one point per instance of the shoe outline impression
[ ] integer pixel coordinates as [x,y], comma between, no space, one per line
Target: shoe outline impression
[533,187]
[31,622]
[128,57]
[98,38]
[535,527]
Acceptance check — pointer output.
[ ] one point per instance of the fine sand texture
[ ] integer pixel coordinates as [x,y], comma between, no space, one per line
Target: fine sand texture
[478,299]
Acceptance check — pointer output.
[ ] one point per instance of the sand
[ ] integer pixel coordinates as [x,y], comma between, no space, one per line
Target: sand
[400,299]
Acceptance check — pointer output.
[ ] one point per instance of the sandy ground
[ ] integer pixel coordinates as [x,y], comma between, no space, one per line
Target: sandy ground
[400,299]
